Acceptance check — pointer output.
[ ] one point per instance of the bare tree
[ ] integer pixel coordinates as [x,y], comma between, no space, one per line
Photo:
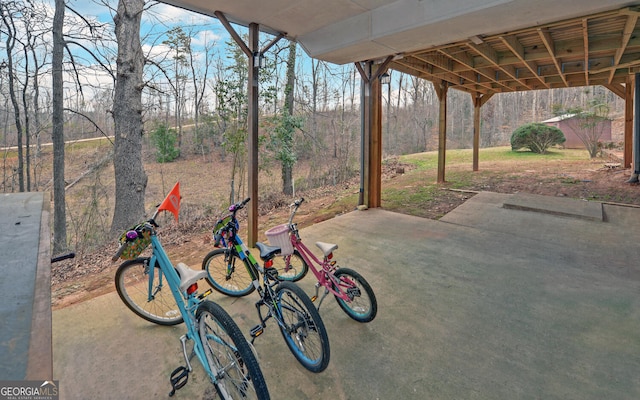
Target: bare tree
[7,14]
[588,125]
[38,64]
[287,156]
[180,44]
[231,112]
[199,78]
[59,213]
[131,180]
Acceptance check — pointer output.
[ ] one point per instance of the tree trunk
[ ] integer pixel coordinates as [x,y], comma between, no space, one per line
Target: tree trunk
[25,108]
[36,115]
[59,211]
[287,168]
[7,19]
[130,178]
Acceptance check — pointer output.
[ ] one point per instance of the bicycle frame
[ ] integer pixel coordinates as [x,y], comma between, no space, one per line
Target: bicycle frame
[188,309]
[232,242]
[224,353]
[293,311]
[245,255]
[322,270]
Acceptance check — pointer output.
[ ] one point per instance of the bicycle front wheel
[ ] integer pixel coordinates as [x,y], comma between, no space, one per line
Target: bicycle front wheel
[233,365]
[302,327]
[227,273]
[291,267]
[149,298]
[363,305]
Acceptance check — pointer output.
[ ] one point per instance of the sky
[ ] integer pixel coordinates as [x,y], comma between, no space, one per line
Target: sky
[158,18]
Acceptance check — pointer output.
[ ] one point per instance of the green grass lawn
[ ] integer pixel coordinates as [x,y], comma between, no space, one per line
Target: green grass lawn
[416,190]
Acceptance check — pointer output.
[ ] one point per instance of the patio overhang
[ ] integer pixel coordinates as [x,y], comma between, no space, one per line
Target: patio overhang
[345,31]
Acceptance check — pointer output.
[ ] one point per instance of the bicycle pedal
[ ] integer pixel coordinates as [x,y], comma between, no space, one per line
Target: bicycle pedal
[314,298]
[178,379]
[256,331]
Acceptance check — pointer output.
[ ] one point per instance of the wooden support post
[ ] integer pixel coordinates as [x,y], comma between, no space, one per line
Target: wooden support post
[476,131]
[636,132]
[253,53]
[441,90]
[628,122]
[365,152]
[253,135]
[635,166]
[478,101]
[371,132]
[375,147]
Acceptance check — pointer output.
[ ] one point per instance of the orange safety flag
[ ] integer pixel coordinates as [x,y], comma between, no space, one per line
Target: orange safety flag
[171,203]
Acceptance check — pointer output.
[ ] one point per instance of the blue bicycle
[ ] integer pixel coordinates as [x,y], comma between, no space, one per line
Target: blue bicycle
[163,294]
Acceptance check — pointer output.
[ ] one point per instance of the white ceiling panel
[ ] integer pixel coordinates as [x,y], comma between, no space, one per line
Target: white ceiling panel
[344,31]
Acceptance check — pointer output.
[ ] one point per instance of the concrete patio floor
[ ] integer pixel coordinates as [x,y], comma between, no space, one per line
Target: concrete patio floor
[490,302]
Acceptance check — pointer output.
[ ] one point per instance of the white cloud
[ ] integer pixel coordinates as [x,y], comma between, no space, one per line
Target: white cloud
[158,50]
[170,15]
[206,37]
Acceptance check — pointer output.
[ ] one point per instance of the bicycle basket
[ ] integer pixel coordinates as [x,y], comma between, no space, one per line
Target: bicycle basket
[137,245]
[279,236]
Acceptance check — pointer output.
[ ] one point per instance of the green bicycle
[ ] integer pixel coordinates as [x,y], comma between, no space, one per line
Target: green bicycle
[285,302]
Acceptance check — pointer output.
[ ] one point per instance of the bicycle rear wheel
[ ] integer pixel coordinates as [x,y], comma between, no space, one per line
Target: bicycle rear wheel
[153,300]
[235,370]
[291,267]
[227,273]
[363,306]
[302,327]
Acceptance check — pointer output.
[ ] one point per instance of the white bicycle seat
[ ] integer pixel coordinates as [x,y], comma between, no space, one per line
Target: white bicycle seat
[327,248]
[188,276]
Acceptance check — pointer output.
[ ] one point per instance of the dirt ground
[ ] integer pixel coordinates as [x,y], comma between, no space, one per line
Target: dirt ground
[92,273]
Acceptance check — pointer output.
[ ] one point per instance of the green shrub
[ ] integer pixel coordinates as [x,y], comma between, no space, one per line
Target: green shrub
[537,137]
[164,139]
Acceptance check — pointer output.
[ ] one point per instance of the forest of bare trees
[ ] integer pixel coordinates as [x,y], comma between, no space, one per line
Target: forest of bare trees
[193,83]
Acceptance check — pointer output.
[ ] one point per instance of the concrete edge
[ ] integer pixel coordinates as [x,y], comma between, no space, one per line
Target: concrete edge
[564,207]
[40,356]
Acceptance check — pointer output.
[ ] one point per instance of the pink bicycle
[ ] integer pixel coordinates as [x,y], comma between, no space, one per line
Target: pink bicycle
[352,292]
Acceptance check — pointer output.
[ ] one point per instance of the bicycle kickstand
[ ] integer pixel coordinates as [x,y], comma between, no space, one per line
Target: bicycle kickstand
[180,376]
[315,297]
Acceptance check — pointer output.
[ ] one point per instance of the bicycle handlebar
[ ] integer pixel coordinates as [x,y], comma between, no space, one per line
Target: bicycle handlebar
[119,252]
[219,230]
[295,206]
[239,206]
[133,234]
[297,202]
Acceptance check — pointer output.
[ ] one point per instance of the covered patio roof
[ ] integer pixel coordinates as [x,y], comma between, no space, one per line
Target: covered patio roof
[475,45]
[595,49]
